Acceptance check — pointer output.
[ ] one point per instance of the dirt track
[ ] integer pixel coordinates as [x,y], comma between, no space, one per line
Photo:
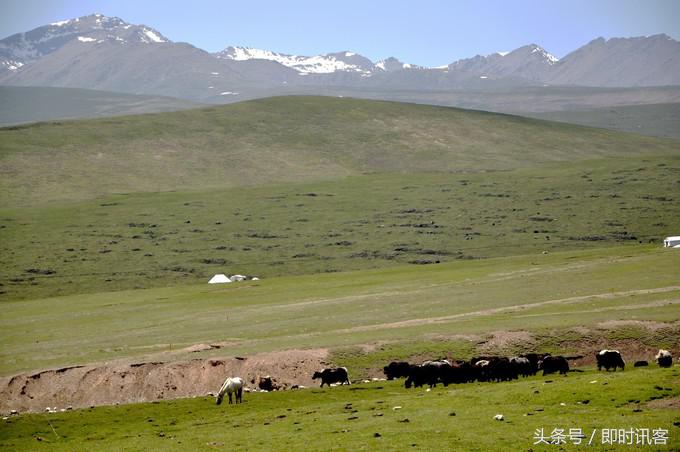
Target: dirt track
[84,386]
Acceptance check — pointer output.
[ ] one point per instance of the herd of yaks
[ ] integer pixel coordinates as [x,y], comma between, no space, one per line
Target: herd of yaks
[484,368]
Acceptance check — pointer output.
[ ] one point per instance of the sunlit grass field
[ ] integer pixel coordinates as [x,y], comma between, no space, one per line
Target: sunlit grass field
[535,292]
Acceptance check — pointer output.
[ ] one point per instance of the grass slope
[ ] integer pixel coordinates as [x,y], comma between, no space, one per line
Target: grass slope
[150,240]
[283,139]
[658,120]
[20,104]
[365,416]
[538,293]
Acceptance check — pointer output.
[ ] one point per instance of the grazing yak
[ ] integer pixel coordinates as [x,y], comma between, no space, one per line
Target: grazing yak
[609,359]
[267,383]
[458,372]
[522,366]
[664,358]
[329,376]
[482,369]
[495,368]
[429,373]
[552,364]
[396,369]
[534,358]
[502,370]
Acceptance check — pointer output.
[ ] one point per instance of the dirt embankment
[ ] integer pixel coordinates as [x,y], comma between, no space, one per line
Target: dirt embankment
[85,386]
[130,382]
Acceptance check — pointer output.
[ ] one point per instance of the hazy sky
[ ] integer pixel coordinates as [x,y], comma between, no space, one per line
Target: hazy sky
[425,32]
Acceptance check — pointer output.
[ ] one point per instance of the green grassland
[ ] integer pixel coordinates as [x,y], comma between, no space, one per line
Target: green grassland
[358,222]
[299,185]
[363,417]
[285,139]
[545,294]
[379,230]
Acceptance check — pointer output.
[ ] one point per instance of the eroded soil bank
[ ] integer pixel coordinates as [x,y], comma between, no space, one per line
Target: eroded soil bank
[131,382]
[166,377]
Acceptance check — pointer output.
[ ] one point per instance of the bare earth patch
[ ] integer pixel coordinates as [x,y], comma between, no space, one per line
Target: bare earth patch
[125,382]
[502,340]
[670,402]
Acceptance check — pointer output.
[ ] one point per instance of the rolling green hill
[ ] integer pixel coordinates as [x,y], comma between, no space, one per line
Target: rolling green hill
[283,140]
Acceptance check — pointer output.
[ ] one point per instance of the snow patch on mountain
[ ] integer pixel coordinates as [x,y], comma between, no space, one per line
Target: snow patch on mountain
[60,23]
[550,58]
[11,64]
[154,37]
[318,64]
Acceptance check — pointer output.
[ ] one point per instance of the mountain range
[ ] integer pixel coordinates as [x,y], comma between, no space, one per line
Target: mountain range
[107,53]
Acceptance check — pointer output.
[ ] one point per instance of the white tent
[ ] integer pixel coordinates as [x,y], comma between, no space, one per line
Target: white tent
[671,242]
[219,279]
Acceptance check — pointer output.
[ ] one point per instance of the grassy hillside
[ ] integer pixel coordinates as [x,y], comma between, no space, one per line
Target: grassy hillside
[658,120]
[536,293]
[357,222]
[366,417]
[19,104]
[149,240]
[283,140]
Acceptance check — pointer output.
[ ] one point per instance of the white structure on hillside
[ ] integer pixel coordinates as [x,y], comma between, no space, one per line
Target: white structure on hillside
[219,279]
[671,242]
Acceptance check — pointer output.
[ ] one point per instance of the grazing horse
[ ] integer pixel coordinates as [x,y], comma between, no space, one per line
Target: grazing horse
[231,385]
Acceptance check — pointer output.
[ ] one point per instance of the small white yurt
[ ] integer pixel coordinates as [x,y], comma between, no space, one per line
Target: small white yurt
[219,279]
[236,278]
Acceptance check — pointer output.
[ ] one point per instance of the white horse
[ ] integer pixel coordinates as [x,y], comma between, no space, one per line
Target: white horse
[231,385]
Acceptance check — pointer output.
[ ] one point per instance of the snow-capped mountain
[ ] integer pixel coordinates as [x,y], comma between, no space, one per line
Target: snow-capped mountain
[107,53]
[319,64]
[24,48]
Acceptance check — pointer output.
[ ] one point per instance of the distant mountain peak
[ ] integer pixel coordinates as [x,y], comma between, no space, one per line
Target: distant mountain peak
[22,48]
[537,51]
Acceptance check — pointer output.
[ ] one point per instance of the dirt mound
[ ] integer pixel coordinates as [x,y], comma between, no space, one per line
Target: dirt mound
[503,341]
[84,386]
